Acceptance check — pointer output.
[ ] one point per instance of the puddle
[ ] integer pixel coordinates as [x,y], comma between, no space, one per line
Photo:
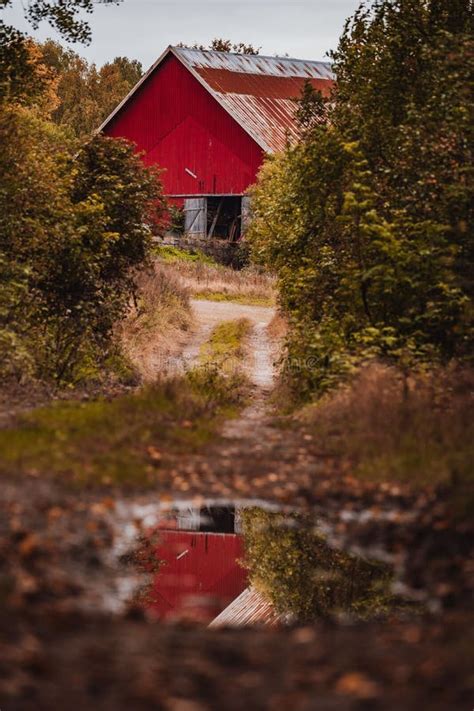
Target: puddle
[239,563]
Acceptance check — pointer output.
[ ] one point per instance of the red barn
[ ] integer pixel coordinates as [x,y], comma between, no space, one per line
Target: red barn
[208,119]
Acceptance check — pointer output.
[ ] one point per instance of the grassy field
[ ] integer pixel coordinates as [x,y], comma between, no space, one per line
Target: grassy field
[169,253]
[123,440]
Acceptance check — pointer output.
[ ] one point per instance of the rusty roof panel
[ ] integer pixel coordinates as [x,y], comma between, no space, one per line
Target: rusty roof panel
[268,86]
[259,92]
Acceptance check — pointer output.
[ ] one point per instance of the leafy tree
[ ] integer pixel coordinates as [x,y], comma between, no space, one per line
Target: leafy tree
[24,79]
[75,223]
[63,16]
[89,284]
[73,228]
[311,109]
[86,94]
[109,169]
[16,72]
[32,202]
[367,220]
[226,45]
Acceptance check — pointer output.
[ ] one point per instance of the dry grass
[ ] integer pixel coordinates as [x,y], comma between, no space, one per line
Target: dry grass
[417,429]
[278,328]
[219,283]
[157,325]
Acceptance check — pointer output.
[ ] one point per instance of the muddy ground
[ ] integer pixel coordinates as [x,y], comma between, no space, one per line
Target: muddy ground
[72,637]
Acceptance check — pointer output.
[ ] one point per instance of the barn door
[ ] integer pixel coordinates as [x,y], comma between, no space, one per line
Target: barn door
[245,212]
[195,217]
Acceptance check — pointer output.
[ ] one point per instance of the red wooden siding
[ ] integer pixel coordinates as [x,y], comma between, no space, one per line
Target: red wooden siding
[179,125]
[199,576]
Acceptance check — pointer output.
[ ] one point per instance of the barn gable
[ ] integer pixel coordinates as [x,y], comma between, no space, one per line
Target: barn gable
[179,126]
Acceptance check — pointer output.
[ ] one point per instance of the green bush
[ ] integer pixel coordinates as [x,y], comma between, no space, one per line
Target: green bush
[170,253]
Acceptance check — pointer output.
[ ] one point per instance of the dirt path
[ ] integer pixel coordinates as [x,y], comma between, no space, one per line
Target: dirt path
[259,366]
[209,314]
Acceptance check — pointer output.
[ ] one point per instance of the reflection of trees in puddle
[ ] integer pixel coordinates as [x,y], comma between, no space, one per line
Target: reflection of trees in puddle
[292,565]
[146,564]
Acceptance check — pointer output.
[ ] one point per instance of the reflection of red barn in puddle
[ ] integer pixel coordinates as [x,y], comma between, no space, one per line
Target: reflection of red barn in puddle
[199,574]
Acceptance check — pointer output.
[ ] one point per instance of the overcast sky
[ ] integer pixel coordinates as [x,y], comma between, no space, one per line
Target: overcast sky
[141,29]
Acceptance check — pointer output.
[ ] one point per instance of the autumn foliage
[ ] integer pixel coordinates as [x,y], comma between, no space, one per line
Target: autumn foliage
[368,220]
[76,221]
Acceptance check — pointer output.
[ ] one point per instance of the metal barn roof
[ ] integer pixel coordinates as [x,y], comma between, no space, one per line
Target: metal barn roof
[249,608]
[258,92]
[255,63]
